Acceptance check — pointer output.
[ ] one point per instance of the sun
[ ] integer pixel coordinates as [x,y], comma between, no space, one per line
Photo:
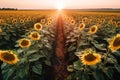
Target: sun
[60,5]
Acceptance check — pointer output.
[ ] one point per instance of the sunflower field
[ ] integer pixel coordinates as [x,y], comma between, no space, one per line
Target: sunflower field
[30,45]
[92,45]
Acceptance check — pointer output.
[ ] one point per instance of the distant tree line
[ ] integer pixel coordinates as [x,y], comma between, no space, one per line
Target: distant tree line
[8,9]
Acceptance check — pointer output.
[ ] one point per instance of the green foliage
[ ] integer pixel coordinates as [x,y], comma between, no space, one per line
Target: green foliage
[77,41]
[31,59]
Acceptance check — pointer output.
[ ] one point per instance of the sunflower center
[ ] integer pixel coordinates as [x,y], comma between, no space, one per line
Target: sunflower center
[38,26]
[118,24]
[93,29]
[84,20]
[99,23]
[7,56]
[72,21]
[90,57]
[24,43]
[116,42]
[35,35]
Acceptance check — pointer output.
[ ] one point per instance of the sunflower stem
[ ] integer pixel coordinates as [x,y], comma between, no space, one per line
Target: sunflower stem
[106,57]
[78,39]
[85,67]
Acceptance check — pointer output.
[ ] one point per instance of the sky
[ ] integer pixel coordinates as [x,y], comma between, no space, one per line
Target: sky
[54,4]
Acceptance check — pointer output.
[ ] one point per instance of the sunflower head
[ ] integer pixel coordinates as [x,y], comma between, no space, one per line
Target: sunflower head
[118,23]
[2,21]
[90,58]
[0,30]
[8,56]
[42,21]
[93,29]
[69,18]
[81,26]
[99,23]
[34,36]
[14,21]
[50,19]
[22,21]
[72,22]
[114,43]
[114,23]
[24,43]
[38,26]
[85,19]
[47,24]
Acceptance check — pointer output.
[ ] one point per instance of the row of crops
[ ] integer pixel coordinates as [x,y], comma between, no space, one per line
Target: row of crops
[27,45]
[92,45]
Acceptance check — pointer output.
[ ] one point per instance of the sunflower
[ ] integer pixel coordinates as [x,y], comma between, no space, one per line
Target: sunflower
[34,36]
[24,43]
[50,19]
[47,24]
[2,21]
[99,23]
[81,26]
[72,22]
[22,21]
[114,23]
[93,29]
[69,18]
[42,21]
[85,19]
[114,43]
[118,23]
[9,57]
[38,26]
[90,58]
[28,19]
[0,30]
[103,20]
[14,21]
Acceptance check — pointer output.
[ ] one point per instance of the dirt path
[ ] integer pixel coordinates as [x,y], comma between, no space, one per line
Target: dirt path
[60,67]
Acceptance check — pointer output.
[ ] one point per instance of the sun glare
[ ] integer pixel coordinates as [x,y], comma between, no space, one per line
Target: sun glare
[60,5]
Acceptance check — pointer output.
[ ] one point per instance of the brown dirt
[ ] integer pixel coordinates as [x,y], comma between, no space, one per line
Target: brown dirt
[60,68]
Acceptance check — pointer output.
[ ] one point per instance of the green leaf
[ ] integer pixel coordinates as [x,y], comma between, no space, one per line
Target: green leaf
[117,66]
[7,38]
[109,60]
[47,45]
[4,33]
[77,65]
[7,73]
[108,72]
[113,58]
[98,75]
[3,65]
[37,69]
[79,75]
[71,48]
[30,52]
[22,72]
[98,46]
[47,62]
[20,51]
[34,57]
[117,53]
